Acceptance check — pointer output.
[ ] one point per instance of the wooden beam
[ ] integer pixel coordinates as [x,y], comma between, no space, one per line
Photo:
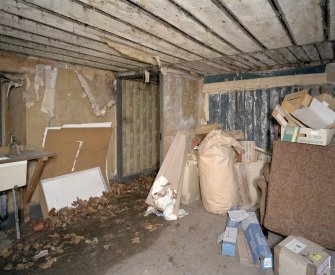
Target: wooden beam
[119,32]
[312,52]
[55,56]
[59,47]
[331,8]
[260,19]
[326,50]
[253,60]
[27,28]
[208,13]
[304,18]
[216,65]
[266,82]
[143,20]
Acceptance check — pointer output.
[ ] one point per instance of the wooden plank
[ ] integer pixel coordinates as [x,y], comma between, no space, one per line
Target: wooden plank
[264,58]
[326,50]
[331,8]
[228,65]
[204,67]
[136,17]
[304,18]
[69,42]
[288,55]
[243,61]
[55,56]
[40,47]
[216,65]
[208,13]
[234,62]
[275,55]
[253,60]
[146,42]
[189,68]
[93,18]
[260,19]
[299,53]
[312,52]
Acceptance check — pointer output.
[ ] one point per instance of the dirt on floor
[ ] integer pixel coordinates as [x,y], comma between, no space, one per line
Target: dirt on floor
[89,238]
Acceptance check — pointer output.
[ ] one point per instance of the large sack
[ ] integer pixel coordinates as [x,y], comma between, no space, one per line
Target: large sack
[218,181]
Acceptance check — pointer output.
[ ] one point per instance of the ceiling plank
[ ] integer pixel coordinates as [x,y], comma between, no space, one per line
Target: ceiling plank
[99,20]
[264,58]
[299,53]
[189,67]
[304,18]
[217,21]
[31,28]
[137,17]
[312,52]
[288,55]
[275,55]
[29,37]
[216,65]
[152,44]
[253,60]
[260,19]
[57,57]
[44,48]
[331,8]
[326,50]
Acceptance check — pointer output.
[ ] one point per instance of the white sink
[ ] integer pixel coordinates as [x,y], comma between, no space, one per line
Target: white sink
[13,173]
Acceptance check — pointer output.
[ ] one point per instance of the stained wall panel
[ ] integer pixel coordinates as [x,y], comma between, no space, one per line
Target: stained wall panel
[140,127]
[251,111]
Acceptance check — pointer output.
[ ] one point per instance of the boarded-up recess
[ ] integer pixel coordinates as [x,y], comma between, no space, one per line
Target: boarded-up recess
[180,106]
[140,127]
[251,110]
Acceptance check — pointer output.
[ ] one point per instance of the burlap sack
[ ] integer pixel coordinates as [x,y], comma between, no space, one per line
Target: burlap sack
[218,181]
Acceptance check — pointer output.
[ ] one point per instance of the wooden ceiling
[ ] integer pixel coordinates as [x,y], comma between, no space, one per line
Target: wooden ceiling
[205,37]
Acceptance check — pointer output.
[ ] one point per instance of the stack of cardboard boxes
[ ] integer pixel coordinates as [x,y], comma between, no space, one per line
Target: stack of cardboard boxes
[306,119]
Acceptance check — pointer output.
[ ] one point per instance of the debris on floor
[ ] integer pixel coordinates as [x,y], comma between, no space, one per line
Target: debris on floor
[94,227]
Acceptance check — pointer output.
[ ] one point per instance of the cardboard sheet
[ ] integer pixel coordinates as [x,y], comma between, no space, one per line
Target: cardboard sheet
[62,191]
[77,148]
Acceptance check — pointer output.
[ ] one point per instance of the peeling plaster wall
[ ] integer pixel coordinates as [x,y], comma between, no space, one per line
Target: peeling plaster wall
[181,96]
[71,104]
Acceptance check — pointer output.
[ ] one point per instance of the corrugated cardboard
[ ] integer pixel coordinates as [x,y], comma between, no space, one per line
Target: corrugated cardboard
[316,116]
[299,256]
[243,185]
[326,98]
[283,118]
[257,243]
[295,101]
[307,135]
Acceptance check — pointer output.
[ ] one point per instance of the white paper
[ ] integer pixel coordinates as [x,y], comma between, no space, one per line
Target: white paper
[251,219]
[295,246]
[238,215]
[229,235]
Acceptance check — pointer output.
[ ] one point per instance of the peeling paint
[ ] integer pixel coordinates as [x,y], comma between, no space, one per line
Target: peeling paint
[48,102]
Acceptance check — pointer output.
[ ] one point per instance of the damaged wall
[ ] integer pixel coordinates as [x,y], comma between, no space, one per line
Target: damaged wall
[180,101]
[250,109]
[66,102]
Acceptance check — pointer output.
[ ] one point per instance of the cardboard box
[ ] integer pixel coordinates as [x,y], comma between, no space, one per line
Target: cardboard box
[257,243]
[307,135]
[228,245]
[299,256]
[283,118]
[316,116]
[295,101]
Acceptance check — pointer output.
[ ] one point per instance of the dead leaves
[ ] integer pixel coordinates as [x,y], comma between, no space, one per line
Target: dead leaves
[49,263]
[75,239]
[136,239]
[152,227]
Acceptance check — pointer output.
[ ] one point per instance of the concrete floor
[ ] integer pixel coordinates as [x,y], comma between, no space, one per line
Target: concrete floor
[188,246]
